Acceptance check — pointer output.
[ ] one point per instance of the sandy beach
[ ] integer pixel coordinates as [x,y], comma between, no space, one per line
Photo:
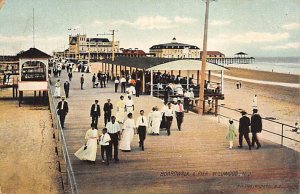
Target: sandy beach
[28,161]
[263,75]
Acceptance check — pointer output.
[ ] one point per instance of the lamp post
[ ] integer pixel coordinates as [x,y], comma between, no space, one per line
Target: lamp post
[203,66]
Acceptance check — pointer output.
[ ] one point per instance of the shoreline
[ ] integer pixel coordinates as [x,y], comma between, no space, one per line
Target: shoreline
[262,75]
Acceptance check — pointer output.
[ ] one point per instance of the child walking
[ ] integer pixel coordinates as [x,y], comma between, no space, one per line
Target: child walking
[104,142]
[232,133]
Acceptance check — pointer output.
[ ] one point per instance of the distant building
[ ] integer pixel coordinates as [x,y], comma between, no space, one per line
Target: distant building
[175,50]
[81,46]
[213,54]
[133,53]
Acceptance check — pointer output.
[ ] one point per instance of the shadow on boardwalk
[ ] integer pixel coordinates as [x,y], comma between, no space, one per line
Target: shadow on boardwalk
[195,160]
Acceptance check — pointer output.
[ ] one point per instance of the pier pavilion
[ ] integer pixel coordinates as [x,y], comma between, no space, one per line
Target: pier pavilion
[140,67]
[33,68]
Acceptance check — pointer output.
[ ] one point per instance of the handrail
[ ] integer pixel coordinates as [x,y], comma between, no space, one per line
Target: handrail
[282,124]
[56,120]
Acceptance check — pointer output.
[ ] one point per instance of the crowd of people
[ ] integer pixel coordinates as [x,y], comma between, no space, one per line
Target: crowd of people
[119,129]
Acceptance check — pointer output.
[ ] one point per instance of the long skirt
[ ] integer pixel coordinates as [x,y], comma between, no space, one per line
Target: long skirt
[126,140]
[89,153]
[57,92]
[156,125]
[120,116]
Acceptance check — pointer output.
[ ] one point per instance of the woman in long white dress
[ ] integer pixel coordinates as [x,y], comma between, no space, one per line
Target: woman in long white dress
[156,120]
[150,120]
[120,116]
[127,134]
[57,89]
[89,150]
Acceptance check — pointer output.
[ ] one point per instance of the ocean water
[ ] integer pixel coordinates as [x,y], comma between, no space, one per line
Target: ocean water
[288,65]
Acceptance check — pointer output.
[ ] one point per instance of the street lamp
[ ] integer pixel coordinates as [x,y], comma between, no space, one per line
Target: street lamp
[203,66]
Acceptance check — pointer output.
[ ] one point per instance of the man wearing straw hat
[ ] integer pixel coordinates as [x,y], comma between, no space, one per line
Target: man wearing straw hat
[62,110]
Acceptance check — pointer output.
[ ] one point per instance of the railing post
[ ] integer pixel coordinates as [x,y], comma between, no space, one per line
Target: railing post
[281,134]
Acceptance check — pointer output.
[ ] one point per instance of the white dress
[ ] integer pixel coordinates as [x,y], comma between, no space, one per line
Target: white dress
[57,89]
[127,135]
[91,151]
[150,128]
[129,106]
[156,120]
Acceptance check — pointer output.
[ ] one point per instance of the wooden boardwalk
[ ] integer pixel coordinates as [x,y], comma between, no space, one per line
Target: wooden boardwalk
[194,160]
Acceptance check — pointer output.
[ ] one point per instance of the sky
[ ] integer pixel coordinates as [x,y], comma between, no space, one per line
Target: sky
[261,28]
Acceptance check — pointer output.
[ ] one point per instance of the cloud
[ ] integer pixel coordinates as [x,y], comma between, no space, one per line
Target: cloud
[220,23]
[291,45]
[97,23]
[291,26]
[184,20]
[13,39]
[14,44]
[253,37]
[155,22]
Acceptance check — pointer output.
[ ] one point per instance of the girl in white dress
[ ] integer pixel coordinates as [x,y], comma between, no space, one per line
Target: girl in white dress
[127,134]
[57,89]
[89,150]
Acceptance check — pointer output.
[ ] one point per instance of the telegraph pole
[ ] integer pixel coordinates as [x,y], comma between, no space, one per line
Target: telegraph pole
[203,66]
[113,43]
[33,35]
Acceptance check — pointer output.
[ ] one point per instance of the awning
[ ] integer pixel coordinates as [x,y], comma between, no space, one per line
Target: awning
[155,63]
[186,65]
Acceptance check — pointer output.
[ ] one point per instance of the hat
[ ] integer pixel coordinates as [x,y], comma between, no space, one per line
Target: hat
[231,119]
[63,97]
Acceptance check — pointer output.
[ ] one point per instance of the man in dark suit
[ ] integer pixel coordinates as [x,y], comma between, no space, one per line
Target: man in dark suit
[107,111]
[62,111]
[81,81]
[94,80]
[95,113]
[138,87]
[67,88]
[256,127]
[99,76]
[244,130]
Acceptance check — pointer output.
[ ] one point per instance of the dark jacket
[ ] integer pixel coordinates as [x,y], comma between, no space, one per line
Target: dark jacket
[256,124]
[94,78]
[244,124]
[66,86]
[107,107]
[65,109]
[97,113]
[138,84]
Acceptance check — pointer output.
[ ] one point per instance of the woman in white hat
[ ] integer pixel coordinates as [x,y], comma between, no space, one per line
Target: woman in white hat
[57,89]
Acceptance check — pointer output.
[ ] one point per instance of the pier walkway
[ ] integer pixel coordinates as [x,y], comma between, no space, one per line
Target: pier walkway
[194,160]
